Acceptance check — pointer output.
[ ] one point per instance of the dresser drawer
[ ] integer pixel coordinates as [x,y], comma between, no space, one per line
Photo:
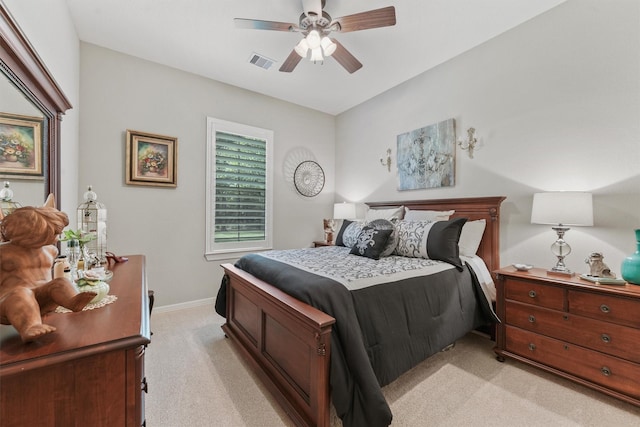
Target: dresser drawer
[534,293]
[593,366]
[609,338]
[618,310]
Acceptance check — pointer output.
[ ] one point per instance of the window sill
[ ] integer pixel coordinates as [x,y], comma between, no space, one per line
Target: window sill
[231,255]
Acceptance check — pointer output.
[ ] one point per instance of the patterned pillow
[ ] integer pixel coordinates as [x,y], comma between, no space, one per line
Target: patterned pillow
[432,240]
[339,239]
[392,242]
[371,242]
[350,233]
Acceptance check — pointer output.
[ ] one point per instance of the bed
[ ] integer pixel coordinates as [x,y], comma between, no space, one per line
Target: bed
[277,325]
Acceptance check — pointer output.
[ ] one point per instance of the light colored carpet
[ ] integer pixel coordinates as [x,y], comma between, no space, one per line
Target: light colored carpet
[196,378]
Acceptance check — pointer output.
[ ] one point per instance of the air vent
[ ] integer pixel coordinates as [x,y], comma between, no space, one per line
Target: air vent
[261,61]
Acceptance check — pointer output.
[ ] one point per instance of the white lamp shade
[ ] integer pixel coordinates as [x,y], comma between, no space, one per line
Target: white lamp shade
[313,38]
[328,47]
[562,207]
[344,211]
[302,47]
[316,54]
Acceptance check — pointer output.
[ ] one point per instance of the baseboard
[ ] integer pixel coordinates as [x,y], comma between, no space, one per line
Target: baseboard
[183,305]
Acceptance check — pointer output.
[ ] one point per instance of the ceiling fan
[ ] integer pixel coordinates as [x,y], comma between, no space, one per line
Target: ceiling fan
[315,25]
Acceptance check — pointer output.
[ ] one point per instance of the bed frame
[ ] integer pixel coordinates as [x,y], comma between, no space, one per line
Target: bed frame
[287,342]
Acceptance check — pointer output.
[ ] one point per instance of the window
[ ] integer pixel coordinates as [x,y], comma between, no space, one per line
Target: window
[239,189]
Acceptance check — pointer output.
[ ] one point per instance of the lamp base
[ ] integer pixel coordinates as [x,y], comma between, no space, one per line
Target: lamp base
[565,273]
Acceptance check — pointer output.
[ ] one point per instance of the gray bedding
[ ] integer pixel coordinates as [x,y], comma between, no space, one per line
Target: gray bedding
[381,331]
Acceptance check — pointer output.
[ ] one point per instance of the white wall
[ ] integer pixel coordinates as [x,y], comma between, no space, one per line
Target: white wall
[556,104]
[48,26]
[120,92]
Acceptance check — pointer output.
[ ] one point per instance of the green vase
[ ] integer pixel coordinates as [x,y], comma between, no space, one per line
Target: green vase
[630,269]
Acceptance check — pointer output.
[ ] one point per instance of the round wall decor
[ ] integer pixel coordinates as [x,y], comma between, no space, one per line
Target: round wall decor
[308,178]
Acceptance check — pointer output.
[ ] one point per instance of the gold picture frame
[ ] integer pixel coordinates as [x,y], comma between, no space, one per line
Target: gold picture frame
[151,159]
[20,147]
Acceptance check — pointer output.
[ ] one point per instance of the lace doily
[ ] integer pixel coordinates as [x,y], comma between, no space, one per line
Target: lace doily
[104,301]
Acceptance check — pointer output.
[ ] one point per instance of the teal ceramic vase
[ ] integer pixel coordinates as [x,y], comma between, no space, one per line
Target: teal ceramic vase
[630,269]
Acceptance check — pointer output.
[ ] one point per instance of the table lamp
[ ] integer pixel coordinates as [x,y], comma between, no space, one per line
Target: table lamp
[344,210]
[562,208]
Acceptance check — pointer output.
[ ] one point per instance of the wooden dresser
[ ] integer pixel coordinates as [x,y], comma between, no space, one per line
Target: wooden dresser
[90,372]
[586,332]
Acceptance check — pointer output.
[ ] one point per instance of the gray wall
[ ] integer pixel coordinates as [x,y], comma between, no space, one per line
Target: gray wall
[556,105]
[120,92]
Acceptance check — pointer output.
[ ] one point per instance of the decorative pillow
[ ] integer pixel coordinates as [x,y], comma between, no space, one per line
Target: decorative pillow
[371,242]
[339,239]
[471,236]
[437,240]
[351,232]
[416,215]
[392,242]
[387,214]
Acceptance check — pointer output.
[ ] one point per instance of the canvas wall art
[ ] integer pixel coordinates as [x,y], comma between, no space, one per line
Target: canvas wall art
[426,157]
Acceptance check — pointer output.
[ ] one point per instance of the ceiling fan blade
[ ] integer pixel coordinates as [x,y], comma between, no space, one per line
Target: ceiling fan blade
[314,6]
[290,63]
[384,17]
[256,24]
[345,58]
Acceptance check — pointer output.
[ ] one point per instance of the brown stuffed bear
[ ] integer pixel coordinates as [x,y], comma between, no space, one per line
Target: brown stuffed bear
[27,253]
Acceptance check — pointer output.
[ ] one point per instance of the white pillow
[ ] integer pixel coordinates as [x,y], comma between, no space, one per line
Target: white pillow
[471,236]
[388,214]
[416,215]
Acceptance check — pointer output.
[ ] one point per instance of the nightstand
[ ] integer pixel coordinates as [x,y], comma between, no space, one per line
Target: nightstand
[320,243]
[586,332]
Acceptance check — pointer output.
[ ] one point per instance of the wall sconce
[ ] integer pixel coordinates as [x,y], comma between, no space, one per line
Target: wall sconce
[470,144]
[387,163]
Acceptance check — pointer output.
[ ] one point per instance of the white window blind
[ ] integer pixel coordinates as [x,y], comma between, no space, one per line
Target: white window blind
[238,189]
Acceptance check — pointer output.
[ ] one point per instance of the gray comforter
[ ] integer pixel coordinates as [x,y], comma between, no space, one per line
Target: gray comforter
[381,331]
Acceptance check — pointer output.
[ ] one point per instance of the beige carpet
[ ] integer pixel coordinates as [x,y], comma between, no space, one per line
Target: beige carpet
[197,379]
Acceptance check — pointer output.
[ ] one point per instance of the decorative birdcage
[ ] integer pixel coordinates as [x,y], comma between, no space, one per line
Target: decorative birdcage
[92,218]
[7,205]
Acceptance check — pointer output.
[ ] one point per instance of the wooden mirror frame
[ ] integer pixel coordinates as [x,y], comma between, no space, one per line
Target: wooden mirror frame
[23,67]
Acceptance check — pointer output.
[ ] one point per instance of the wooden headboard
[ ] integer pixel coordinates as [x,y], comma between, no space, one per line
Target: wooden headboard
[473,208]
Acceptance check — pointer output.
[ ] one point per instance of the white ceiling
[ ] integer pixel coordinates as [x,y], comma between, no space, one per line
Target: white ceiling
[199,36]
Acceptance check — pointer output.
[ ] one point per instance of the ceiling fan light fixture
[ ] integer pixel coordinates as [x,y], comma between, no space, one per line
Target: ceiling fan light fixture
[302,48]
[316,55]
[328,47]
[313,39]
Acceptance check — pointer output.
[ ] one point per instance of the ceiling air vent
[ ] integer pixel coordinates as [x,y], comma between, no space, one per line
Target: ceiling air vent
[261,61]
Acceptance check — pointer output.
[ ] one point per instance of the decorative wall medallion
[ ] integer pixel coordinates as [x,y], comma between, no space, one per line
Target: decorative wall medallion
[308,178]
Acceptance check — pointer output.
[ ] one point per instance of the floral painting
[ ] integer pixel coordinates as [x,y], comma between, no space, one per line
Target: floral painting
[151,159]
[20,146]
[426,157]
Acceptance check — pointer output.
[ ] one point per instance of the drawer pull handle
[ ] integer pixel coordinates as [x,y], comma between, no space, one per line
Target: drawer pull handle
[605,308]
[606,338]
[144,386]
[532,318]
[532,346]
[565,317]
[605,371]
[532,294]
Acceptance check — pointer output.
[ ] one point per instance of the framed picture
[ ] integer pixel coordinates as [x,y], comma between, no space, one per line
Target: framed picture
[426,157]
[151,159]
[20,146]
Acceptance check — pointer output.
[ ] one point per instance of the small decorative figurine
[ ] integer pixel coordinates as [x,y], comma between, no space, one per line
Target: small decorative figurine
[597,267]
[329,228]
[27,252]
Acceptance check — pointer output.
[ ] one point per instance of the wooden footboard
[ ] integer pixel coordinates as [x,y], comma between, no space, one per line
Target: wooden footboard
[286,342]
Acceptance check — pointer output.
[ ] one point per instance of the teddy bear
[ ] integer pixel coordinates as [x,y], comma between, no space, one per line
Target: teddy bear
[27,252]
